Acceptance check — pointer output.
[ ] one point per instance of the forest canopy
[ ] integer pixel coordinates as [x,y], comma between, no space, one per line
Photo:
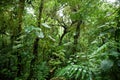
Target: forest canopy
[59,39]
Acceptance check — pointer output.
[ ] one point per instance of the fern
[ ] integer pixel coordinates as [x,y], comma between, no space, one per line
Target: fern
[100,48]
[105,47]
[43,71]
[75,72]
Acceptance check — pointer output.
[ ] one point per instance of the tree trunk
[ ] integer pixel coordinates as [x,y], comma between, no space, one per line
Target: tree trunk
[76,36]
[61,38]
[18,34]
[117,32]
[35,60]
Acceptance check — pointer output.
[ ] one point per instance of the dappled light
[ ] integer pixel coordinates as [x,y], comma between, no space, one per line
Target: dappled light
[59,39]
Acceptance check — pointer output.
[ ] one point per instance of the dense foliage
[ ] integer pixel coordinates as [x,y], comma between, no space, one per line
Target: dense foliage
[59,40]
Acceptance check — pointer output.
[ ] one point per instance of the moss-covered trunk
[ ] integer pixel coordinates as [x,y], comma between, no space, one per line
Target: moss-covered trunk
[20,12]
[117,32]
[76,36]
[35,60]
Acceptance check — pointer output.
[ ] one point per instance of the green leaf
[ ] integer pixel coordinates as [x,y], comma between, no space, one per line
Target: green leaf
[17,46]
[29,29]
[83,74]
[40,34]
[45,25]
[79,73]
[52,38]
[114,53]
[106,65]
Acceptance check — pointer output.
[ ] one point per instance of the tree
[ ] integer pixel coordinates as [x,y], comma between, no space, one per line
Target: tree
[35,60]
[59,40]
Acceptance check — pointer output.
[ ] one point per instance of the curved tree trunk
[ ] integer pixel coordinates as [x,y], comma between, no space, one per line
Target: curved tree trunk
[64,33]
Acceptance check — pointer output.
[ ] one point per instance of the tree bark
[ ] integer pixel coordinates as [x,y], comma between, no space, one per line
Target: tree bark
[117,32]
[76,36]
[34,61]
[64,33]
[18,33]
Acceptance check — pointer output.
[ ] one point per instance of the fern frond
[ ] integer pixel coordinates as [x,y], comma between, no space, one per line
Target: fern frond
[75,72]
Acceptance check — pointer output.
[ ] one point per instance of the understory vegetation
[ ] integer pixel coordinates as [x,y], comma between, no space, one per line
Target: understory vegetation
[59,40]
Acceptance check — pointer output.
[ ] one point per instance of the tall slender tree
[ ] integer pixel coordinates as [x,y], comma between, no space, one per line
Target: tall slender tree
[17,34]
[117,32]
[76,36]
[35,60]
